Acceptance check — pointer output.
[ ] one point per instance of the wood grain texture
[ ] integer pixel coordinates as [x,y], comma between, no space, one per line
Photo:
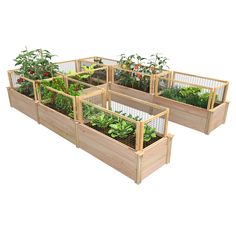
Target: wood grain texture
[57,122]
[108,150]
[23,103]
[154,157]
[216,117]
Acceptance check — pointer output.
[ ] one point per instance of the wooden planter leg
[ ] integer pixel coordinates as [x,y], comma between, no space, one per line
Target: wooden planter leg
[9,96]
[77,132]
[139,168]
[169,144]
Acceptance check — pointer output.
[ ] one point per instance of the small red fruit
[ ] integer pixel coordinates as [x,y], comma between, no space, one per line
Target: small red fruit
[136,67]
[139,76]
[20,80]
[31,72]
[46,74]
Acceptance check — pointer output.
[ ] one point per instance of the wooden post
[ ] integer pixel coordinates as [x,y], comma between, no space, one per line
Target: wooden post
[209,101]
[77,132]
[38,90]
[104,99]
[139,168]
[74,108]
[169,144]
[151,84]
[10,78]
[109,100]
[213,99]
[107,74]
[65,80]
[77,65]
[35,92]
[225,92]
[156,85]
[137,135]
[113,75]
[166,123]
[79,110]
[141,135]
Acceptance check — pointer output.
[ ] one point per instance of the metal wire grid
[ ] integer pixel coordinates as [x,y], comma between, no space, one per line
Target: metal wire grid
[65,67]
[118,107]
[159,124]
[105,61]
[97,99]
[201,81]
[14,79]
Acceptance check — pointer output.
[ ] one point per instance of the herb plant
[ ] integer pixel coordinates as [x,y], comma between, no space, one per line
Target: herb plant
[189,95]
[121,129]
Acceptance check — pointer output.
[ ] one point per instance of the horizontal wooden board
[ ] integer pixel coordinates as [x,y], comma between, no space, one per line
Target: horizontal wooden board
[154,157]
[57,122]
[108,150]
[23,104]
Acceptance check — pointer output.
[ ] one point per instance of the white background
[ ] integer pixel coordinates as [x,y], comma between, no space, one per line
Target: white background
[48,187]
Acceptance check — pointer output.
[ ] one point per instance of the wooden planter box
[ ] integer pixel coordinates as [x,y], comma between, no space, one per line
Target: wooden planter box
[57,122]
[203,120]
[137,165]
[194,117]
[136,162]
[24,104]
[105,61]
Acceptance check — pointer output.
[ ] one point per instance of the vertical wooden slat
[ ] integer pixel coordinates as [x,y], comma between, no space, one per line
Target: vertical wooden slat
[77,65]
[141,135]
[209,100]
[139,167]
[166,123]
[213,99]
[137,136]
[74,108]
[169,144]
[38,90]
[104,99]
[156,85]
[79,110]
[225,92]
[10,78]
[35,92]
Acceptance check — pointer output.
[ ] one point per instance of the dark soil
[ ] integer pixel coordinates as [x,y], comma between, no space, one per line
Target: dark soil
[136,87]
[27,94]
[51,105]
[129,141]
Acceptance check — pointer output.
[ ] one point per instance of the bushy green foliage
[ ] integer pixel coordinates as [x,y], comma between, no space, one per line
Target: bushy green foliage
[121,129]
[149,133]
[62,103]
[189,95]
[117,127]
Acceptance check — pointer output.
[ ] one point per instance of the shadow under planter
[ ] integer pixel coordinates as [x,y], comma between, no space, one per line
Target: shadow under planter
[134,164]
[22,103]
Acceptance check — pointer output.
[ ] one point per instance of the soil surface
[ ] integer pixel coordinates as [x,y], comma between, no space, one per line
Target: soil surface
[136,87]
[129,141]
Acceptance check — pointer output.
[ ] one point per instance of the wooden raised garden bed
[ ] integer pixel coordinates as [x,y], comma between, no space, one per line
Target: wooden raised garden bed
[24,103]
[213,110]
[100,61]
[203,119]
[131,155]
[58,118]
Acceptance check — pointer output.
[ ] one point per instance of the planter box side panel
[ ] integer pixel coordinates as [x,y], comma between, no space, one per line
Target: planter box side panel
[154,157]
[217,116]
[106,149]
[183,114]
[57,122]
[23,104]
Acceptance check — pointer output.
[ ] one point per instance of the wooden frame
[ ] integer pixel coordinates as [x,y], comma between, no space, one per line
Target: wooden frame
[110,65]
[21,102]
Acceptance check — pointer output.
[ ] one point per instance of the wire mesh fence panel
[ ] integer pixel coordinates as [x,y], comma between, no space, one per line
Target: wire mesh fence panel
[135,80]
[154,130]
[58,100]
[202,81]
[66,67]
[22,85]
[110,123]
[101,60]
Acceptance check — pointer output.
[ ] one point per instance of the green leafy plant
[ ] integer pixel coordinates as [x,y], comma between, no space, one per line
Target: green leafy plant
[101,120]
[35,65]
[149,133]
[58,101]
[189,95]
[121,129]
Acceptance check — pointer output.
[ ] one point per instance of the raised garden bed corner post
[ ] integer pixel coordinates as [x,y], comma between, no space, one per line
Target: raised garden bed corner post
[225,92]
[77,66]
[79,109]
[169,145]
